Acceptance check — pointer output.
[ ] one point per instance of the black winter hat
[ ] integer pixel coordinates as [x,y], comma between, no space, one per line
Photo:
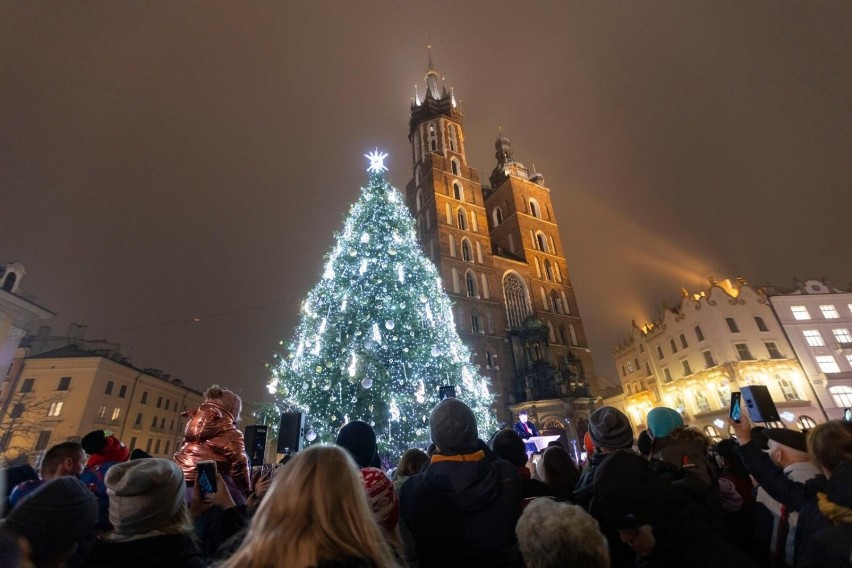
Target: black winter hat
[54,517]
[789,438]
[624,490]
[359,439]
[94,441]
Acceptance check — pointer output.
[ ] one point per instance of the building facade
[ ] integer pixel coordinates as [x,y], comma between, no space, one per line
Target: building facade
[497,247]
[817,318]
[64,393]
[712,343]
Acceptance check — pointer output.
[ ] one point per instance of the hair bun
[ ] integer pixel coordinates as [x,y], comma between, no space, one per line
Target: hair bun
[213,392]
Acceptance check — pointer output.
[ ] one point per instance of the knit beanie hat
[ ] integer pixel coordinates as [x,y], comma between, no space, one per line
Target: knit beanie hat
[359,439]
[144,495]
[662,420]
[228,401]
[381,497]
[624,491]
[102,448]
[453,426]
[610,428]
[54,517]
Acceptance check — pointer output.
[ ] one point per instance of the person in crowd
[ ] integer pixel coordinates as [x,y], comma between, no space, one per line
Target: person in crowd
[65,458]
[558,472]
[645,444]
[737,495]
[316,515]
[52,522]
[526,430]
[658,525]
[104,452]
[462,509]
[508,445]
[793,495]
[151,523]
[384,504]
[411,463]
[11,478]
[775,526]
[212,434]
[359,439]
[831,445]
[553,535]
[609,430]
[681,455]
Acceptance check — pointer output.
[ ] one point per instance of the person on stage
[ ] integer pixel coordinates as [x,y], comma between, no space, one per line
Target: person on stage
[523,427]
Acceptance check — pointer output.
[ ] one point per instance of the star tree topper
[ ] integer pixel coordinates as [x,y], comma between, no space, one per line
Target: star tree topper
[377,161]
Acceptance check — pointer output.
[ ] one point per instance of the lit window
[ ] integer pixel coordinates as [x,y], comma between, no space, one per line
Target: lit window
[827,364]
[842,396]
[761,325]
[813,337]
[708,359]
[806,423]
[842,335]
[698,333]
[116,412]
[772,349]
[743,352]
[673,346]
[667,375]
[829,311]
[687,370]
[102,411]
[55,408]
[732,325]
[701,402]
[800,312]
[789,390]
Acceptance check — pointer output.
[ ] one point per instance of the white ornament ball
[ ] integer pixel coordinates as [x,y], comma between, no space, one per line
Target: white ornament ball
[392,251]
[435,351]
[311,435]
[367,382]
[389,324]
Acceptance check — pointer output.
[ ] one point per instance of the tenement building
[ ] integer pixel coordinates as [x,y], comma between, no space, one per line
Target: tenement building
[497,247]
[713,342]
[818,320]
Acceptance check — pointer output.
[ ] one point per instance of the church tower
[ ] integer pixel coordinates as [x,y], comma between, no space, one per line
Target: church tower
[500,256]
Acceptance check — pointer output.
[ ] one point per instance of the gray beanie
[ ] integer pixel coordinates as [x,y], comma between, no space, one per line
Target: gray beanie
[54,517]
[453,426]
[144,495]
[610,428]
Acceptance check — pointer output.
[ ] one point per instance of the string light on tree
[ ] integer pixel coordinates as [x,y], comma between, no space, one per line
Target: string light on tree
[376,337]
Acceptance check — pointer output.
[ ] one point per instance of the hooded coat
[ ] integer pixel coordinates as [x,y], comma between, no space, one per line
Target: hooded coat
[212,434]
[462,511]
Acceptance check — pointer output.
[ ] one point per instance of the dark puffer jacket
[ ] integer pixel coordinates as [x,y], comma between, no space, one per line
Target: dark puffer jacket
[462,512]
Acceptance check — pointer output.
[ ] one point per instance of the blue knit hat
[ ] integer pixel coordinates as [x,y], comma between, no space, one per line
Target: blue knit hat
[662,420]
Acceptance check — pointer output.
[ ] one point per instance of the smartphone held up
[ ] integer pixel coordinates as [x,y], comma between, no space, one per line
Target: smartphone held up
[206,477]
[736,412]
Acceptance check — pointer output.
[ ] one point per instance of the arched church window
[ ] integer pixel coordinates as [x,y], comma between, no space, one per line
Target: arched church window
[458,191]
[433,138]
[517,299]
[454,167]
[470,283]
[461,216]
[535,210]
[467,251]
[541,241]
[573,333]
[451,129]
[548,270]
[497,216]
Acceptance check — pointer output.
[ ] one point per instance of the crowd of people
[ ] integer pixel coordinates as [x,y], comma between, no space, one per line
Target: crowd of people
[769,497]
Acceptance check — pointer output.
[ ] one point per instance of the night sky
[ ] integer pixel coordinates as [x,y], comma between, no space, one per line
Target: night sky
[161,162]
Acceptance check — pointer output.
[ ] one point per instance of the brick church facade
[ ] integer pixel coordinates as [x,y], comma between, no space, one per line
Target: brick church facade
[497,247]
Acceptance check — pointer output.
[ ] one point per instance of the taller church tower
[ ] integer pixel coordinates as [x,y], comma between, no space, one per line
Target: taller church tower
[501,259]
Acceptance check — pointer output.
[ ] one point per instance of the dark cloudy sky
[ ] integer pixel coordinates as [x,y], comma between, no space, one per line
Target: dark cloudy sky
[163,161]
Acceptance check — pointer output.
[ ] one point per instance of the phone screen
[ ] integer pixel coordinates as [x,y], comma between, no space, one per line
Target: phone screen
[206,477]
[736,406]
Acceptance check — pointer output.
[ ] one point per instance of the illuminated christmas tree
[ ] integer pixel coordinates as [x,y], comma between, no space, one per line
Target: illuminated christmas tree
[376,339]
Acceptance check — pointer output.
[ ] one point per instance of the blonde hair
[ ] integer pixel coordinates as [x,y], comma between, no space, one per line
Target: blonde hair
[315,511]
[830,444]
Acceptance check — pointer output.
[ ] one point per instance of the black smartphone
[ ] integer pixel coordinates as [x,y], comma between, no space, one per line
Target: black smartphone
[736,407]
[847,414]
[206,477]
